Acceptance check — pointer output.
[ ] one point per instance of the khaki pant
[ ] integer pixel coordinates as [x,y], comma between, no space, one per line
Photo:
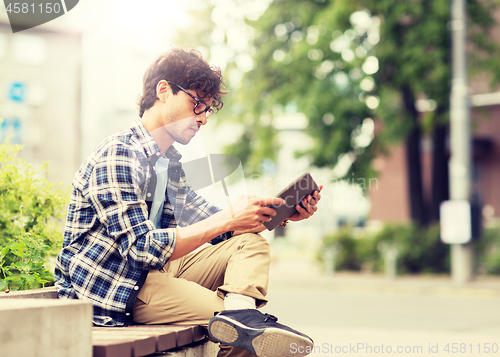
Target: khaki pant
[191,289]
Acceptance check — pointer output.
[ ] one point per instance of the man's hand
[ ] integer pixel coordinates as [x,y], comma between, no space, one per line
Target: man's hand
[310,206]
[250,213]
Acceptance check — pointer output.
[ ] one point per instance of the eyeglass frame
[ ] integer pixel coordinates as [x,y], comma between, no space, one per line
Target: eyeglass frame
[208,110]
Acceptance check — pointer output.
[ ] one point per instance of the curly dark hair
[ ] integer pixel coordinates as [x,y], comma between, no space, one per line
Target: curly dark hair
[187,69]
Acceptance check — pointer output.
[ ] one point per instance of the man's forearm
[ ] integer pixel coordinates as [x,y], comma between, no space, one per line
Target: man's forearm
[191,237]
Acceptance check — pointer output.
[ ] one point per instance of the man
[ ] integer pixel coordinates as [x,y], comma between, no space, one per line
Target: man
[134,225]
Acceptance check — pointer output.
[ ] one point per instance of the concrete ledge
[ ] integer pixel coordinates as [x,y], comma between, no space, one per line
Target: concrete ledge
[43,293]
[45,328]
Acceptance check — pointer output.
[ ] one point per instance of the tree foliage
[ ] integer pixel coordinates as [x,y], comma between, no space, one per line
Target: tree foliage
[367,74]
[350,60]
[340,62]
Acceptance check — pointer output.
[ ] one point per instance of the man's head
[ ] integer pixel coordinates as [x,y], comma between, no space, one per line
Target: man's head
[186,69]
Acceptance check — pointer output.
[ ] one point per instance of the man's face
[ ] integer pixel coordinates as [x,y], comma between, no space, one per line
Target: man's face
[181,123]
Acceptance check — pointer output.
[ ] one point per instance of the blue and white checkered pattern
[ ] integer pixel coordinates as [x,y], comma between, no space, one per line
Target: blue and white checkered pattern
[108,239]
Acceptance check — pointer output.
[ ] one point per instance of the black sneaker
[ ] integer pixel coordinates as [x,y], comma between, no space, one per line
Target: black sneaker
[258,333]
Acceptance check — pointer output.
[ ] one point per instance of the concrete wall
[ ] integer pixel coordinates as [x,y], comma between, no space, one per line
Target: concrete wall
[45,328]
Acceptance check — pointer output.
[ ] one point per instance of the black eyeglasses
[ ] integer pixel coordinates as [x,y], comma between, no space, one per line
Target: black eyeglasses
[200,107]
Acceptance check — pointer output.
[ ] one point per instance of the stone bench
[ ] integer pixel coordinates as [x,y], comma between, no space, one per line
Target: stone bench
[52,319]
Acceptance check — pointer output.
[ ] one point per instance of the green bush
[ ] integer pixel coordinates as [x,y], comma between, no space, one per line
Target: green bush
[348,258]
[420,249]
[488,251]
[30,208]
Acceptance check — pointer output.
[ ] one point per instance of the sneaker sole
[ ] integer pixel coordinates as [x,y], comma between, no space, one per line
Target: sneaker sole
[265,342]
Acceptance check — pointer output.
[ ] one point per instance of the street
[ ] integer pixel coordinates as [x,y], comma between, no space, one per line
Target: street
[369,316]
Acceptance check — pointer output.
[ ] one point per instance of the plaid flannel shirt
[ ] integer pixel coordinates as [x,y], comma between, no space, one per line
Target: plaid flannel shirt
[109,243]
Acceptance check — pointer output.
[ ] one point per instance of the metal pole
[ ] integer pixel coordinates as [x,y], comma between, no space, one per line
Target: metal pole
[460,135]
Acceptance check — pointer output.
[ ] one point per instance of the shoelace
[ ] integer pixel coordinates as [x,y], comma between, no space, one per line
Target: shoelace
[270,317]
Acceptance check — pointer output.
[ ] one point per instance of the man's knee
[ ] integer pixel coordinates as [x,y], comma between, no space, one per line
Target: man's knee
[256,240]
[263,242]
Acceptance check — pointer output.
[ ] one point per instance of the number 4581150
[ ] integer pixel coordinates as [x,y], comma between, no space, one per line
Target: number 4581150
[26,8]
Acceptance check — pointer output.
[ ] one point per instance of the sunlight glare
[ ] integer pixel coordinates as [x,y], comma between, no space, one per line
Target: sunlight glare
[152,21]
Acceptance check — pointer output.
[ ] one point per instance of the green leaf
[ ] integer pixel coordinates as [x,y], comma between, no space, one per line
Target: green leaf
[18,246]
[4,251]
[41,280]
[29,278]
[19,253]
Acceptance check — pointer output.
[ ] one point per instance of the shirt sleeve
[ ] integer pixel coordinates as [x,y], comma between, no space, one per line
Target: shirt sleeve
[197,208]
[114,192]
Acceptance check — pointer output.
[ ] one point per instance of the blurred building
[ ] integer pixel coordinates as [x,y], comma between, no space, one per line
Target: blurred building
[40,81]
[390,200]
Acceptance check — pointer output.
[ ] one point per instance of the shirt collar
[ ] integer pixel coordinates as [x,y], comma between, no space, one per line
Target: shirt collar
[173,154]
[150,145]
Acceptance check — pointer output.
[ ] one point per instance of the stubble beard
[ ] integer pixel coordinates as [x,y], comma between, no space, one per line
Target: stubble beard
[180,131]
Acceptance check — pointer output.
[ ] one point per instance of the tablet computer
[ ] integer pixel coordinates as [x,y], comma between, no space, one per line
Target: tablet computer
[293,194]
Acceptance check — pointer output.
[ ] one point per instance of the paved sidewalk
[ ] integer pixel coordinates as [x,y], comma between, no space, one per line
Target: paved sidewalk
[309,274]
[351,314]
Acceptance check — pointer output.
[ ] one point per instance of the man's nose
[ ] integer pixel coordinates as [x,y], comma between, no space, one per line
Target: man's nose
[201,119]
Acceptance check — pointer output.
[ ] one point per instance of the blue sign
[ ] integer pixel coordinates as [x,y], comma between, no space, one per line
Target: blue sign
[268,166]
[10,130]
[17,92]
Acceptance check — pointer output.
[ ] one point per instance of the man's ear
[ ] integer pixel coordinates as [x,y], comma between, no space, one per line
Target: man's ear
[162,89]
